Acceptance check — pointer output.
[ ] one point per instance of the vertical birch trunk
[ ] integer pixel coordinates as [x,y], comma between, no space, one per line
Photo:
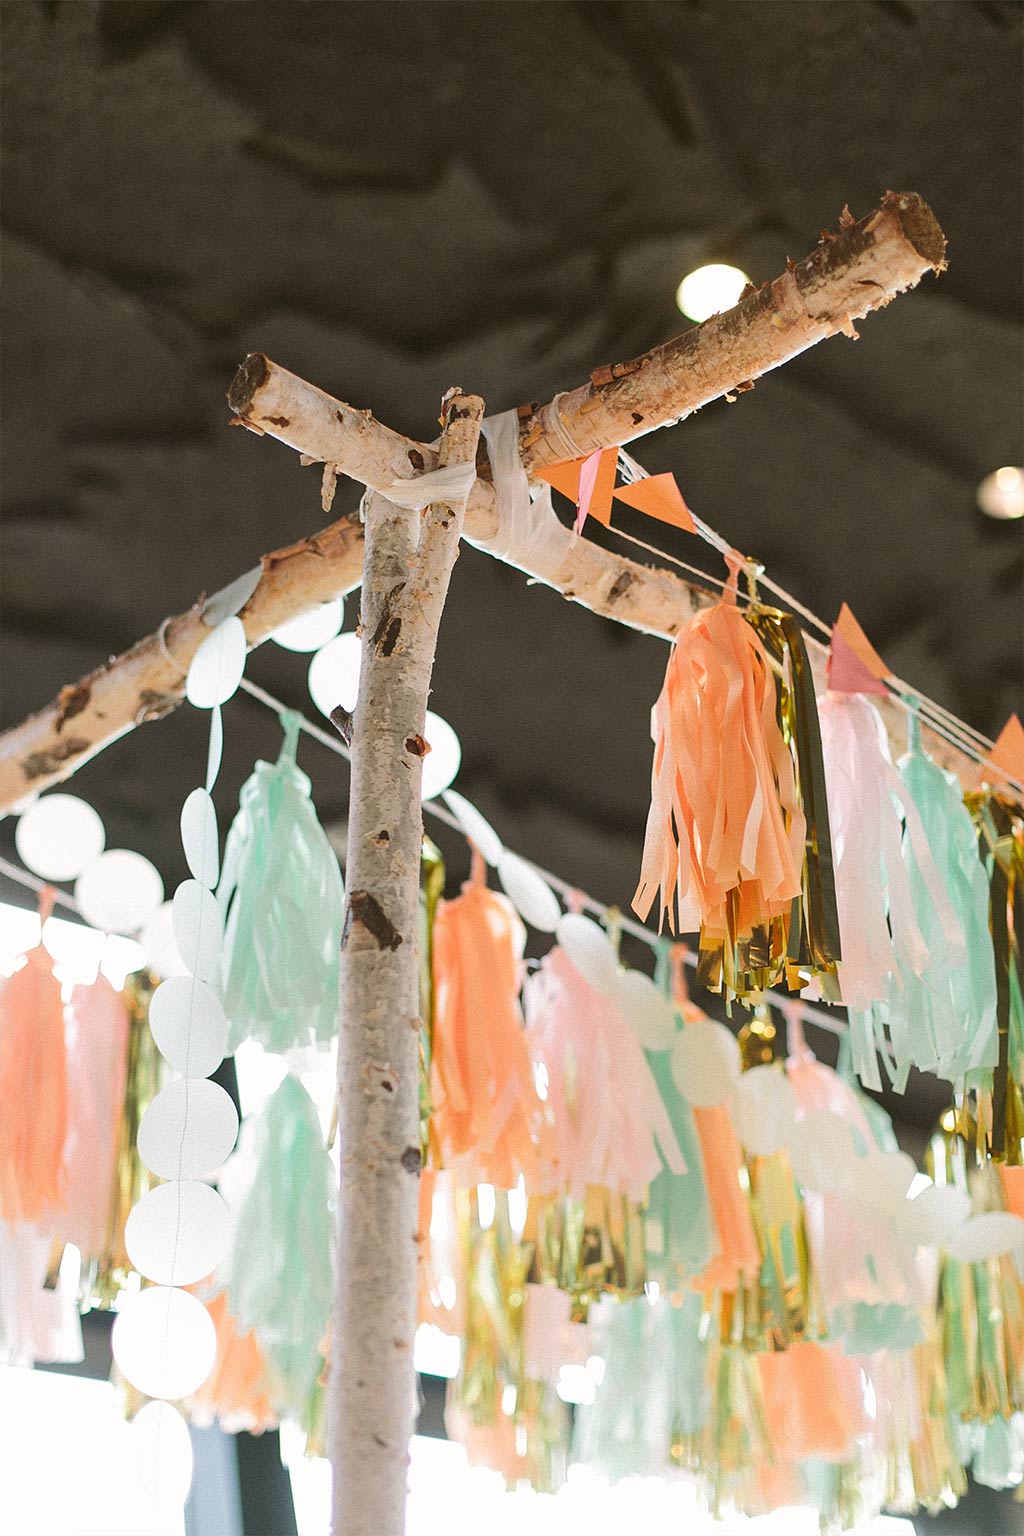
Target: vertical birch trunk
[407,566]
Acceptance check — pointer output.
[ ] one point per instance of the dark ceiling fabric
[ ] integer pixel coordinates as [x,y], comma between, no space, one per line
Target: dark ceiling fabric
[393,198]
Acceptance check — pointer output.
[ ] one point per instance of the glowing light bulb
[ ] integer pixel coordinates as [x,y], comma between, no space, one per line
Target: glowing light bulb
[1001,494]
[710,289]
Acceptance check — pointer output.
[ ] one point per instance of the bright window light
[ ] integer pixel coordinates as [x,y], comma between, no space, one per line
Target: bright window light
[99,1490]
[709,290]
[436,1353]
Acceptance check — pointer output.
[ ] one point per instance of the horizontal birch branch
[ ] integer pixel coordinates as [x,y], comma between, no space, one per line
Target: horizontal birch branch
[849,274]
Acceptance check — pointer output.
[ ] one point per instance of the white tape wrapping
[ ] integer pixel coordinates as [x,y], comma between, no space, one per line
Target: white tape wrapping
[452,484]
[529,534]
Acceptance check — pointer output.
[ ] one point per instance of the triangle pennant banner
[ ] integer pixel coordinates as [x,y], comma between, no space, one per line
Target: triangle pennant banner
[564,477]
[597,482]
[1007,755]
[658,496]
[846,672]
[849,631]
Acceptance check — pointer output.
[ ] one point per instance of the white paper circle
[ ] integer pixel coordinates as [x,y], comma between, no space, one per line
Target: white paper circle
[199,837]
[232,598]
[529,893]
[934,1215]
[479,831]
[59,836]
[216,748]
[159,945]
[444,759]
[162,1453]
[189,1025]
[119,891]
[705,1063]
[647,1011]
[313,629]
[188,1130]
[198,929]
[588,948]
[986,1237]
[217,666]
[178,1232]
[334,674]
[164,1342]
[764,1110]
[822,1152]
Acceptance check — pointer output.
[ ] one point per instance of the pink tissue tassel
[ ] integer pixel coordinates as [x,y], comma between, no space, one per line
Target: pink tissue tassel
[33,1087]
[97,1044]
[877,921]
[608,1116]
[856,1258]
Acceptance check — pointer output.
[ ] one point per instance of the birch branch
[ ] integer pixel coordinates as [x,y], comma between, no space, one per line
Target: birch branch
[372,1382]
[859,269]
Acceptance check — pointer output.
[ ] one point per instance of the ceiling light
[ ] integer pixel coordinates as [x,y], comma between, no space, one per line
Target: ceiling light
[1001,494]
[709,290]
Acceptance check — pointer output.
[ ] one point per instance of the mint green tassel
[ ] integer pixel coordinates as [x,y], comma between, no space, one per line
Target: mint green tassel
[278,1272]
[652,1407]
[678,1226]
[282,896]
[945,1021]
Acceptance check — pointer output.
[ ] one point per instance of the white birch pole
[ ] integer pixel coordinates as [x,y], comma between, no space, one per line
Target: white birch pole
[408,562]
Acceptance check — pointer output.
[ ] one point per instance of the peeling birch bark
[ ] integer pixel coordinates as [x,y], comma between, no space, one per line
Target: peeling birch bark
[371,1405]
[858,270]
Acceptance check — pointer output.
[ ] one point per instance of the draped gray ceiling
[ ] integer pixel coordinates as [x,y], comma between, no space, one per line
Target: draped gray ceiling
[393,198]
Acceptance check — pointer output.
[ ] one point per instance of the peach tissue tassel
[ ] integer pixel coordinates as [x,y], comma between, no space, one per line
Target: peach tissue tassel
[725,836]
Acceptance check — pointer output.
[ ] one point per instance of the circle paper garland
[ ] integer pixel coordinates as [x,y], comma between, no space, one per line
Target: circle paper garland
[119,891]
[164,1340]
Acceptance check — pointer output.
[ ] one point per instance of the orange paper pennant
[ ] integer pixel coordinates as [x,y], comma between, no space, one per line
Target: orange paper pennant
[564,477]
[1007,755]
[658,496]
[848,629]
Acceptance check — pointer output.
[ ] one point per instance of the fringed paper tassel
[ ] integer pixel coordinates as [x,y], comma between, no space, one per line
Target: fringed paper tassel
[97,1046]
[505,1418]
[431,892]
[104,1277]
[944,1020]
[813,1401]
[609,1124]
[236,1394]
[1000,1112]
[39,1320]
[736,1260]
[678,1225]
[725,840]
[651,1409]
[281,892]
[864,1283]
[883,945]
[440,1272]
[741,1458]
[813,939]
[278,1271]
[488,1121]
[590,1247]
[33,1087]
